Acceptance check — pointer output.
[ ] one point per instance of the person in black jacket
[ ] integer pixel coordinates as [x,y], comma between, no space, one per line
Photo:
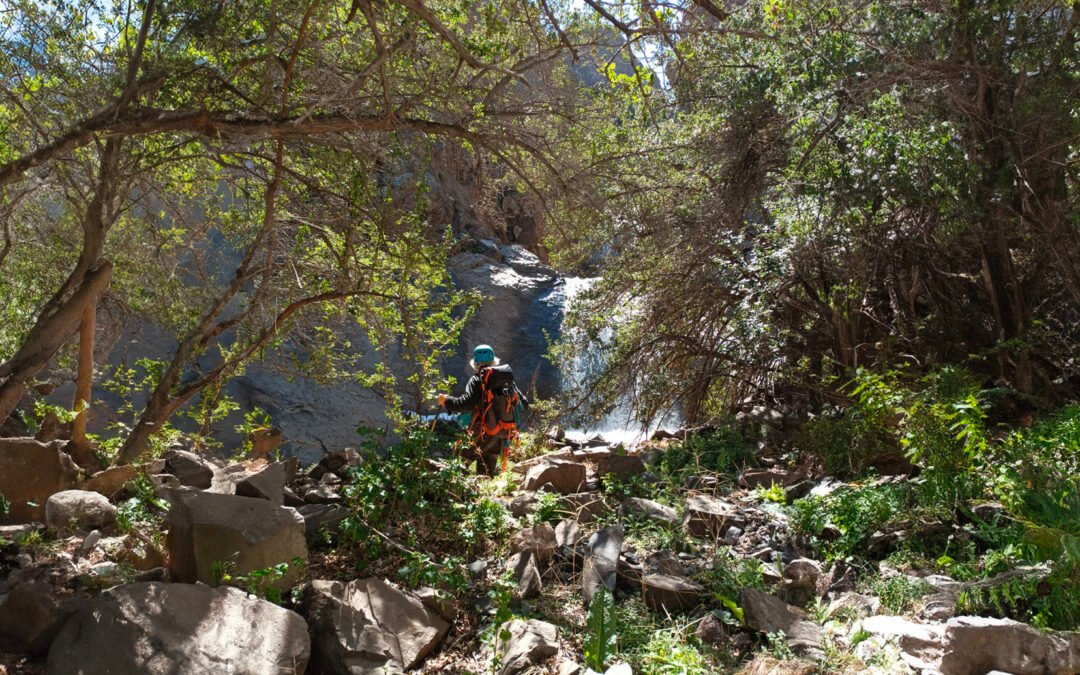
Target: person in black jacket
[487,446]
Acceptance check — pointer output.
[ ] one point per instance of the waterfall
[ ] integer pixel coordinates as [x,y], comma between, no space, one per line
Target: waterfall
[619,426]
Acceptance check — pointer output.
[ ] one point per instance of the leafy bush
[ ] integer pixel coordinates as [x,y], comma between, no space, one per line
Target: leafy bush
[723,450]
[405,508]
[855,512]
[898,593]
[672,652]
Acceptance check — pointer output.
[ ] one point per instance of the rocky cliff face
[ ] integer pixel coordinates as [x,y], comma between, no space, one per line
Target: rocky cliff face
[523,304]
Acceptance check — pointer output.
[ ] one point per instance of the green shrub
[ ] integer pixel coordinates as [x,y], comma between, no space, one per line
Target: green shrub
[422,520]
[724,450]
[856,512]
[898,593]
[672,652]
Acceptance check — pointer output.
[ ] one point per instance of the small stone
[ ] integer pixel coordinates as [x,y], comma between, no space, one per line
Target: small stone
[477,568]
[733,534]
[322,494]
[710,630]
[89,542]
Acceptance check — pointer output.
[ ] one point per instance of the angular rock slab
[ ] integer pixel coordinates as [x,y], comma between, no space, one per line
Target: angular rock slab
[30,618]
[665,592]
[368,626]
[658,513]
[975,645]
[768,614]
[602,561]
[270,482]
[557,475]
[620,467]
[111,480]
[180,628]
[708,516]
[30,473]
[190,469]
[531,643]
[208,529]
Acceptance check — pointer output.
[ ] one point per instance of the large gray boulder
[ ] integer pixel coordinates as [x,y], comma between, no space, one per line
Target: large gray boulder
[80,509]
[368,626]
[30,473]
[180,628]
[207,530]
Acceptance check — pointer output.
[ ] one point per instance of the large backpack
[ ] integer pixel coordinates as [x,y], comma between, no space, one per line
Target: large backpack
[500,403]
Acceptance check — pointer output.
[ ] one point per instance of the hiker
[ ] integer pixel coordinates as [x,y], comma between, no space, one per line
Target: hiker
[494,404]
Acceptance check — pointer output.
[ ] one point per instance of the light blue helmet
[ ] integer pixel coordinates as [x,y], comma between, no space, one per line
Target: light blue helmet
[483,354]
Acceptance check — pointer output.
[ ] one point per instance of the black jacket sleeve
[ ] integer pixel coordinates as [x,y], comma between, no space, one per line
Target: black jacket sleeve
[467,402]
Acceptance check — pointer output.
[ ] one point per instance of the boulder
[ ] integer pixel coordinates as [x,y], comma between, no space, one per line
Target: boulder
[270,482]
[652,510]
[567,533]
[208,529]
[665,562]
[80,509]
[30,473]
[531,642]
[264,441]
[667,593]
[602,561]
[368,626]
[322,494]
[766,478]
[767,614]
[321,521]
[975,645]
[190,469]
[30,618]
[920,644]
[180,628]
[539,539]
[709,517]
[111,480]
[523,570]
[556,475]
[439,602]
[621,467]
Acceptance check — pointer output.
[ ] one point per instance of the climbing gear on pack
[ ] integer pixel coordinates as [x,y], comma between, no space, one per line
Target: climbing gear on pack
[500,407]
[483,354]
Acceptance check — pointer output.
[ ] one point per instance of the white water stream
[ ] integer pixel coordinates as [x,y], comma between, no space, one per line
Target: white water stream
[619,426]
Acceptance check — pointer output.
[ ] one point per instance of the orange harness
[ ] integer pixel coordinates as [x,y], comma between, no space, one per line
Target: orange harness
[510,428]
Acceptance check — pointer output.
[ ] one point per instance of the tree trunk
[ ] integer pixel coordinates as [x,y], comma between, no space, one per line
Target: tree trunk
[82,453]
[47,337]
